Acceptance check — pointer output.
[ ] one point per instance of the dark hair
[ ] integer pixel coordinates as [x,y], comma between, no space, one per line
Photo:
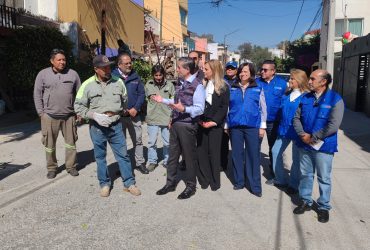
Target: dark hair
[252,70]
[55,52]
[193,51]
[188,63]
[121,55]
[269,62]
[158,69]
[326,76]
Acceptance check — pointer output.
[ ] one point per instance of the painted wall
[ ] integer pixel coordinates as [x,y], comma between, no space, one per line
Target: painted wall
[124,19]
[171,28]
[354,9]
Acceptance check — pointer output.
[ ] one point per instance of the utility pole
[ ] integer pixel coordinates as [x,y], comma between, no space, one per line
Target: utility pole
[161,26]
[326,59]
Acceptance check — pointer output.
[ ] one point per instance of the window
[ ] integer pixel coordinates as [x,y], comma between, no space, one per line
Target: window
[184,16]
[353,25]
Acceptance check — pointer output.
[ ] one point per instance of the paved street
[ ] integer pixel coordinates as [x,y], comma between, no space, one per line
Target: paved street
[68,213]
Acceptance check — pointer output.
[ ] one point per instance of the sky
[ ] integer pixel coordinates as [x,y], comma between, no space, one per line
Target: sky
[260,22]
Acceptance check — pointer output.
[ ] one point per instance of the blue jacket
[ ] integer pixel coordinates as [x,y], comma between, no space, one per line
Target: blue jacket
[230,82]
[244,110]
[135,89]
[315,116]
[286,115]
[274,92]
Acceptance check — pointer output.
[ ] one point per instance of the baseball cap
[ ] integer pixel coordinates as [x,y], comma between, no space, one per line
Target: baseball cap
[232,64]
[101,61]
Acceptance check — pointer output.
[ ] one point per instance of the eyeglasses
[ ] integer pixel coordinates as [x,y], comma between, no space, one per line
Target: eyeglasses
[265,70]
[57,51]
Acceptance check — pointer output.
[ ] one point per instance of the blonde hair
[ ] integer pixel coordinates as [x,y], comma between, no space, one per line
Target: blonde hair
[217,75]
[301,78]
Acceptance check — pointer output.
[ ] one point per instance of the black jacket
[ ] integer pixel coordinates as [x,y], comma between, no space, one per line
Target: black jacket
[218,110]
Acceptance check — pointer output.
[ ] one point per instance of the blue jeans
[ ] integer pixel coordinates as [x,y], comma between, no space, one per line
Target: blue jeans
[114,135]
[312,161]
[152,143]
[277,157]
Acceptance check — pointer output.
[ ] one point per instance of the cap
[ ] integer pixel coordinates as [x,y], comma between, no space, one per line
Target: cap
[232,64]
[101,61]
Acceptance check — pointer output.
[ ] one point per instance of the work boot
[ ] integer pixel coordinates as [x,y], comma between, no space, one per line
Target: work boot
[133,190]
[73,172]
[105,191]
[142,168]
[51,175]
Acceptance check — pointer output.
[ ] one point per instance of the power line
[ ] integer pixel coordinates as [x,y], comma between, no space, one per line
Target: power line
[315,17]
[295,25]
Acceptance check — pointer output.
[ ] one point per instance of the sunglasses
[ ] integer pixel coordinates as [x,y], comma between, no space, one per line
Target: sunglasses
[232,68]
[265,70]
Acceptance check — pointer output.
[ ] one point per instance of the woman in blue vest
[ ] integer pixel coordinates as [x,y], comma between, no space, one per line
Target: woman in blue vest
[298,85]
[247,124]
[211,126]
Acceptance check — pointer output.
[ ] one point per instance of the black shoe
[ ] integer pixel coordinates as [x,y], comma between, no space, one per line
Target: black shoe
[166,189]
[142,168]
[73,172]
[270,182]
[257,194]
[51,175]
[302,208]
[291,191]
[323,215]
[187,193]
[237,188]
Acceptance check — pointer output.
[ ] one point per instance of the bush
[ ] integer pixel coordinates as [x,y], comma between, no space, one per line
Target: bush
[143,69]
[28,51]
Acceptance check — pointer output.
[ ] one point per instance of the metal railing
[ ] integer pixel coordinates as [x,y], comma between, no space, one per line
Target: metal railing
[8,17]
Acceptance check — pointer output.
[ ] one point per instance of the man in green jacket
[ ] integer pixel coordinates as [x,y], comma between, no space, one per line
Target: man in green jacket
[101,99]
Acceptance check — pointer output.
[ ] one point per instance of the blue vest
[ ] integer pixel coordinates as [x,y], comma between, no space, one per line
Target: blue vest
[287,112]
[244,110]
[184,92]
[315,116]
[273,91]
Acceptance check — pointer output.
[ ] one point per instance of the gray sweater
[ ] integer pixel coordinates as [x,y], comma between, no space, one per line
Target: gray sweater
[54,93]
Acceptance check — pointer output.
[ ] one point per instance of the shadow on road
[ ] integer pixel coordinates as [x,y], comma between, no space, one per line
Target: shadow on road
[7,169]
[84,158]
[355,126]
[19,132]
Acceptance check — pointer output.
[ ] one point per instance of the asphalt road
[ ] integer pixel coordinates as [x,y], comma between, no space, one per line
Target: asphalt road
[68,213]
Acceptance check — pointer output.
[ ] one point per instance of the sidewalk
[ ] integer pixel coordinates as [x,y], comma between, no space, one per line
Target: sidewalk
[67,212]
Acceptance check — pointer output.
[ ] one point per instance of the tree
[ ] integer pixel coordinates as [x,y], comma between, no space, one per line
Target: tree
[254,53]
[245,50]
[208,36]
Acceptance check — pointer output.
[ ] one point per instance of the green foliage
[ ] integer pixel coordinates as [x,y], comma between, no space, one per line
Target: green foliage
[143,69]
[84,70]
[28,51]
[302,53]
[254,53]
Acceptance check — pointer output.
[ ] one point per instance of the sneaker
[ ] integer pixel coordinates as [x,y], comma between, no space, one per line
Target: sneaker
[105,191]
[51,175]
[73,172]
[134,190]
[151,167]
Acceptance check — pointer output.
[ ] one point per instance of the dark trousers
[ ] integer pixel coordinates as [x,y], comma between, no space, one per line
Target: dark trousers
[182,142]
[246,157]
[225,151]
[209,156]
[271,133]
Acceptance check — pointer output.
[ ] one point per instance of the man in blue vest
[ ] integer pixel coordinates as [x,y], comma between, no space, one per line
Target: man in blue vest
[317,121]
[274,88]
[187,106]
[231,69]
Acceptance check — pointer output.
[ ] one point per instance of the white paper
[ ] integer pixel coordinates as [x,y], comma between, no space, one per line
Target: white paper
[317,145]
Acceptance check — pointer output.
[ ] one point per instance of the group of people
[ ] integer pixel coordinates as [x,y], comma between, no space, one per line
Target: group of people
[198,115]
